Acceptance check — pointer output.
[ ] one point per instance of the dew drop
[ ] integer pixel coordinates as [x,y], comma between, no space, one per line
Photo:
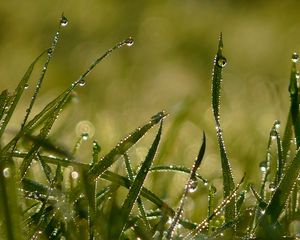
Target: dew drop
[82,83]
[277,124]
[26,86]
[272,187]
[49,51]
[297,74]
[64,21]
[74,175]
[129,41]
[193,185]
[273,134]
[85,136]
[222,61]
[263,166]
[6,172]
[96,147]
[295,57]
[205,182]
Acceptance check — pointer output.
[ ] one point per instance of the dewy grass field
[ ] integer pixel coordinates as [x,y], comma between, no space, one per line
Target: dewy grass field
[47,191]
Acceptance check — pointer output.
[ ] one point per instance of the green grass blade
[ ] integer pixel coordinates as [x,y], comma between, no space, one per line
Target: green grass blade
[138,182]
[139,200]
[18,93]
[280,197]
[188,186]
[287,136]
[228,182]
[124,145]
[50,52]
[9,205]
[176,168]
[3,102]
[201,226]
[293,89]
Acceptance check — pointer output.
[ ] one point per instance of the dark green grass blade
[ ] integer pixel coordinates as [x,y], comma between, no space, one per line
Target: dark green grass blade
[139,200]
[138,182]
[123,146]
[18,93]
[228,182]
[280,197]
[293,89]
[188,186]
[9,205]
[287,136]
[280,159]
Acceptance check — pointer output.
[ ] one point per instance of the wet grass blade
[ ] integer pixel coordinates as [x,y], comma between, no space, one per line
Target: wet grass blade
[124,145]
[3,102]
[9,201]
[280,197]
[201,226]
[294,110]
[138,182]
[139,200]
[190,184]
[176,168]
[228,182]
[18,93]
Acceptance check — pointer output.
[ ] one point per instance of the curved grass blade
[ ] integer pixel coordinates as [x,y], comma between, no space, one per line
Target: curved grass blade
[187,189]
[4,98]
[200,227]
[138,182]
[18,93]
[280,197]
[123,146]
[176,168]
[228,182]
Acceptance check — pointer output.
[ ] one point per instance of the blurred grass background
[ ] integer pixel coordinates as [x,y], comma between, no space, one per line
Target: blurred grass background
[169,67]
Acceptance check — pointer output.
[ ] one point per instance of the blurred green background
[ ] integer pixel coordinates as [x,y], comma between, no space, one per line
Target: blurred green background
[169,67]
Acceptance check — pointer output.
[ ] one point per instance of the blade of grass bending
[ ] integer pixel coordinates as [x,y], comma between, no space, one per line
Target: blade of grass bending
[228,182]
[123,146]
[139,200]
[187,188]
[138,182]
[18,93]
[293,89]
[201,226]
[176,168]
[280,197]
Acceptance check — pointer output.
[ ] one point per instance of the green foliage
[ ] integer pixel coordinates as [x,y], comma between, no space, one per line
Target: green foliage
[47,192]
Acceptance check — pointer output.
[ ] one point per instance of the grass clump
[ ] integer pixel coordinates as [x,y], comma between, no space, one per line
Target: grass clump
[73,201]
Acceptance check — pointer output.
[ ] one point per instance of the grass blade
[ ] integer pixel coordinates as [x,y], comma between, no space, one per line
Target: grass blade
[18,93]
[99,168]
[188,186]
[138,182]
[228,182]
[279,198]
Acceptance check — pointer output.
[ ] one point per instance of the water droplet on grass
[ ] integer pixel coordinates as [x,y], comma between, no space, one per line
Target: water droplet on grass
[26,86]
[273,134]
[222,61]
[74,175]
[81,83]
[85,136]
[263,166]
[6,172]
[129,41]
[277,124]
[272,187]
[64,21]
[295,57]
[96,147]
[193,185]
